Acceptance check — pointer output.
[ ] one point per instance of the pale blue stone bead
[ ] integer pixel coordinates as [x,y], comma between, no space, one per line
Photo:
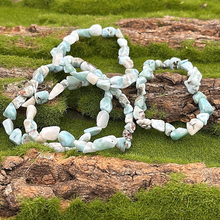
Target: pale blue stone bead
[41,97]
[103,143]
[55,51]
[140,80]
[119,33]
[106,104]
[174,63]
[204,117]
[30,125]
[124,51]
[147,73]
[98,73]
[33,134]
[123,143]
[73,83]
[15,136]
[65,46]
[66,139]
[51,67]
[195,77]
[116,92]
[191,87]
[58,69]
[166,64]
[151,63]
[122,42]
[121,59]
[10,111]
[8,126]
[178,133]
[25,139]
[116,82]
[38,75]
[68,68]
[83,33]
[158,64]
[108,32]
[140,102]
[135,72]
[63,61]
[168,129]
[205,107]
[80,145]
[93,130]
[103,84]
[108,94]
[198,96]
[80,75]
[185,65]
[128,109]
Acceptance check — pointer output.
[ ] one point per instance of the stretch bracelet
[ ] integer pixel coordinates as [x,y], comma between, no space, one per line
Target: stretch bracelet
[112,86]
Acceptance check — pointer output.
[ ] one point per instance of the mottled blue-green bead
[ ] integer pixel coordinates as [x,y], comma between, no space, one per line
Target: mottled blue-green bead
[65,46]
[73,83]
[50,67]
[116,82]
[98,73]
[58,69]
[15,136]
[204,117]
[116,92]
[55,51]
[151,63]
[174,63]
[103,84]
[10,111]
[83,33]
[106,104]
[185,65]
[68,68]
[147,73]
[205,106]
[93,130]
[80,145]
[41,97]
[104,143]
[66,139]
[132,71]
[128,109]
[140,102]
[108,32]
[123,143]
[80,75]
[38,75]
[108,94]
[140,80]
[178,133]
[25,139]
[198,96]
[124,51]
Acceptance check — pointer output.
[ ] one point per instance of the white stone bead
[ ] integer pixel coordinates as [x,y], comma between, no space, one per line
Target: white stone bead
[27,92]
[65,83]
[102,119]
[71,39]
[130,127]
[57,147]
[194,126]
[129,118]
[118,33]
[88,148]
[85,66]
[45,70]
[95,30]
[144,123]
[75,34]
[19,101]
[40,139]
[56,59]
[92,78]
[8,126]
[138,113]
[50,133]
[158,124]
[30,101]
[29,125]
[31,112]
[122,42]
[34,83]
[85,137]
[57,89]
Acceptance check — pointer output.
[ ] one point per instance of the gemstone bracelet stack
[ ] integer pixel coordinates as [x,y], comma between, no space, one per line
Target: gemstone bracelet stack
[89,74]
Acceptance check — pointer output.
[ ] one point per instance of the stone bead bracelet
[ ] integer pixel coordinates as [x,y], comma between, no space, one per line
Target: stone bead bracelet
[91,75]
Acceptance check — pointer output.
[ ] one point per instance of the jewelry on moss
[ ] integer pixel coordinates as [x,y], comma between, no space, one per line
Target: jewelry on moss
[112,86]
